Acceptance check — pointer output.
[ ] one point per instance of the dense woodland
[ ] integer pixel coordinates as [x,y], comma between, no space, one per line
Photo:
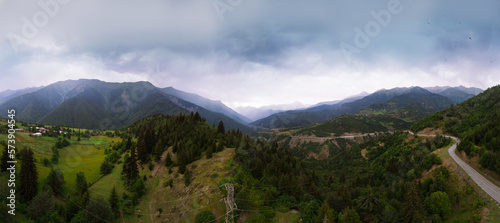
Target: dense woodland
[347,187]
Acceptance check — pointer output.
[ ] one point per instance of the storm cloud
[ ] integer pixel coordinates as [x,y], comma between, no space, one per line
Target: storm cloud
[252,52]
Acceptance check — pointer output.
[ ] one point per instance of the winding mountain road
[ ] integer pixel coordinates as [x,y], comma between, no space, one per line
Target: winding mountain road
[335,137]
[488,187]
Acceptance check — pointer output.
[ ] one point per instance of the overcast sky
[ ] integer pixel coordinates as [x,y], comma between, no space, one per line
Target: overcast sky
[253,52]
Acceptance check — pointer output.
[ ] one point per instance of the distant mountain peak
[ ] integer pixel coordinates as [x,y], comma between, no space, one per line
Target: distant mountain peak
[418,90]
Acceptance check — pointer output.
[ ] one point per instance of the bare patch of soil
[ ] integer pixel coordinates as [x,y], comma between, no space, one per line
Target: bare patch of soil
[484,215]
[363,153]
[431,131]
[323,154]
[243,217]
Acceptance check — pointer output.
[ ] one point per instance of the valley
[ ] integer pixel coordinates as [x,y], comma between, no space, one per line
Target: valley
[167,163]
[249,111]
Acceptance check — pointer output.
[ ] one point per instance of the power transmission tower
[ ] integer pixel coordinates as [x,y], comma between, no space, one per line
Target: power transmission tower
[230,204]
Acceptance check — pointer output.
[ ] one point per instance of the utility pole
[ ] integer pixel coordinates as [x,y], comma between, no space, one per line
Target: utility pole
[230,204]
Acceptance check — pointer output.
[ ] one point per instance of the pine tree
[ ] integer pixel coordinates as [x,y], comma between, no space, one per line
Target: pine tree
[220,146]
[220,128]
[187,178]
[350,216]
[125,162]
[73,205]
[85,198]
[181,161]
[149,139]
[197,116]
[80,184]
[56,180]
[113,201]
[129,144]
[142,152]
[175,147]
[158,150]
[368,201]
[325,214]
[168,160]
[28,185]
[5,158]
[284,182]
[210,150]
[413,209]
[132,170]
[268,197]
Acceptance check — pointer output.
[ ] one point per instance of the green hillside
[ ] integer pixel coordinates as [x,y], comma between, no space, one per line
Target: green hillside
[355,124]
[476,122]
[304,118]
[83,111]
[31,108]
[212,105]
[156,103]
[411,106]
[197,153]
[398,113]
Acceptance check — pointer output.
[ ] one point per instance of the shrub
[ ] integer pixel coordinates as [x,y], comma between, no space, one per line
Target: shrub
[106,167]
[168,183]
[138,187]
[438,203]
[205,217]
[46,162]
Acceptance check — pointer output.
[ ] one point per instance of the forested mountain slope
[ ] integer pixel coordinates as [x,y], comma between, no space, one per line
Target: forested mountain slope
[95,104]
[476,122]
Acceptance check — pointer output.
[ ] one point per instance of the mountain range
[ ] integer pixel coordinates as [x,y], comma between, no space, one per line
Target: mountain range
[322,113]
[254,113]
[395,114]
[96,104]
[9,94]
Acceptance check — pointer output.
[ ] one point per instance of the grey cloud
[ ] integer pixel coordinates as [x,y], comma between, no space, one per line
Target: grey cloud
[174,42]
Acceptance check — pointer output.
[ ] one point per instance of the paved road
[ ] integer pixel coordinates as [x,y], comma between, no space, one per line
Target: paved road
[337,137]
[490,188]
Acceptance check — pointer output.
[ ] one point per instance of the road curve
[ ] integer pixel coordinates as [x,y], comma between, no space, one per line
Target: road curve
[488,187]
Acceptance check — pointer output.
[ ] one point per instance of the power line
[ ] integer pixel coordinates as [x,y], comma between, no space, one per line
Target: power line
[231,219]
[229,201]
